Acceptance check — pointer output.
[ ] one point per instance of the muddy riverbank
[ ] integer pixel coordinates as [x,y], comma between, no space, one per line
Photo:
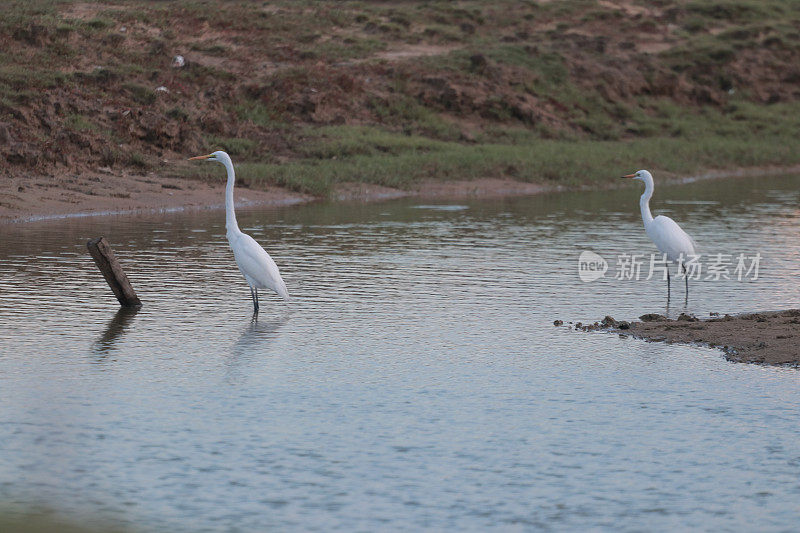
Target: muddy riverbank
[769,338]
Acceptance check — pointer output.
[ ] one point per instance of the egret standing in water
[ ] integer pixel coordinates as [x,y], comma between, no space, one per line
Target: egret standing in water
[254,262]
[667,235]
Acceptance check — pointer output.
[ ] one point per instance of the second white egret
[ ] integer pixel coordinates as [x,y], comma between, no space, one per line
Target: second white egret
[665,233]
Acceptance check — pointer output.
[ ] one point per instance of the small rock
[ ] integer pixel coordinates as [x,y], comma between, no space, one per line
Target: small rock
[652,317]
[558,322]
[623,324]
[178,62]
[162,89]
[687,318]
[609,322]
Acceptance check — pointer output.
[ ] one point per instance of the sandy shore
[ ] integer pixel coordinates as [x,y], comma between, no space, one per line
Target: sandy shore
[33,198]
[36,198]
[25,198]
[771,338]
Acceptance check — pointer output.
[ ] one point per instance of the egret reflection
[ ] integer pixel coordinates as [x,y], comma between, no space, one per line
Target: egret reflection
[253,343]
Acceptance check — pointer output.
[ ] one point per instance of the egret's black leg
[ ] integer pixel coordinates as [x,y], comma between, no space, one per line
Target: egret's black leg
[668,284]
[254,295]
[668,289]
[687,282]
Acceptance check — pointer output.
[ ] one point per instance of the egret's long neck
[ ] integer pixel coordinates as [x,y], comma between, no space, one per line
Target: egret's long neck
[230,214]
[644,202]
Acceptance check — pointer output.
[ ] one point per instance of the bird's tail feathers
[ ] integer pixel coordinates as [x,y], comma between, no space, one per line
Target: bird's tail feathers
[282,291]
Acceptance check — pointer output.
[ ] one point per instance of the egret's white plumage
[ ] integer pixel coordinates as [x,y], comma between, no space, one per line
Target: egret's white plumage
[255,264]
[665,233]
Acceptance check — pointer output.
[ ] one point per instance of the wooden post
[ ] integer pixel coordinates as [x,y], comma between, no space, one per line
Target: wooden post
[110,268]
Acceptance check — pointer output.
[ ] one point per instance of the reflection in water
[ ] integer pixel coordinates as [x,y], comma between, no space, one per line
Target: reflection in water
[116,327]
[257,335]
[671,311]
[253,343]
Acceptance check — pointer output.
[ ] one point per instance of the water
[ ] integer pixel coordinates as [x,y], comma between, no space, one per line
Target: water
[415,382]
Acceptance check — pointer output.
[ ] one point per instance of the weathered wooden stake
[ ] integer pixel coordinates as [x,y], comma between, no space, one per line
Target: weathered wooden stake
[109,266]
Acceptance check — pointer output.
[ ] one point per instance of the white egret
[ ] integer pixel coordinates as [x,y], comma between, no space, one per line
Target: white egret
[667,235]
[254,262]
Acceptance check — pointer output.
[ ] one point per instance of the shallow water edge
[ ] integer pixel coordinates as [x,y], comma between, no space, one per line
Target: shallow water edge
[211,198]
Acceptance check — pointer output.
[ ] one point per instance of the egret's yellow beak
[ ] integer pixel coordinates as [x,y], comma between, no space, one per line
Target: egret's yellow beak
[201,157]
[628,176]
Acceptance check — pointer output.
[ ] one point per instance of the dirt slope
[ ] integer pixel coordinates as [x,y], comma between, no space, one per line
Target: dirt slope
[134,87]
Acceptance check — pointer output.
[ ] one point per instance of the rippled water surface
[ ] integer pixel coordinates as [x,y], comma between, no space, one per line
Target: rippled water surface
[416,381]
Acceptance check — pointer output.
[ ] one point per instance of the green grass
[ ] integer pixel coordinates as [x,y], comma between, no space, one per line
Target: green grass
[344,49]
[708,140]
[20,81]
[257,113]
[235,146]
[740,10]
[407,113]
[141,94]
[340,142]
[79,123]
[138,161]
